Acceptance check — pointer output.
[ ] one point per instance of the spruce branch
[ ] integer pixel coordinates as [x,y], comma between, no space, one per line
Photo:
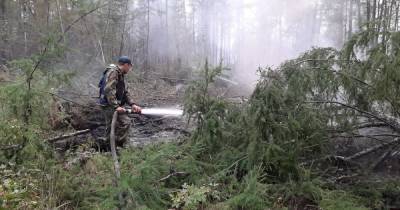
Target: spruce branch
[390,123]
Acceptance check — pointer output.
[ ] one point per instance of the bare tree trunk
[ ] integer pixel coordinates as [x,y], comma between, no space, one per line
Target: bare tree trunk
[62,31]
[359,17]
[221,42]
[390,16]
[194,32]
[147,40]
[48,13]
[396,21]
[343,23]
[102,52]
[385,20]
[2,9]
[315,28]
[3,32]
[350,19]
[121,46]
[105,32]
[368,14]
[374,17]
[167,34]
[25,25]
[380,21]
[60,18]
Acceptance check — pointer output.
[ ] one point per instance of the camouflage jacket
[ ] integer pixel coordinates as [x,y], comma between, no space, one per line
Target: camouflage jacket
[115,90]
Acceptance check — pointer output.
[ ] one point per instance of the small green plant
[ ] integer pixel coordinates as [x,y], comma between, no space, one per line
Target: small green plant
[17,190]
[191,197]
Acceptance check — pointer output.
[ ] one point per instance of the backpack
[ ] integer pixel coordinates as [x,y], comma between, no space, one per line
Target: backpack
[102,84]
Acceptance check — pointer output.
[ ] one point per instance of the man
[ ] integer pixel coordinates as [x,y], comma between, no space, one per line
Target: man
[115,96]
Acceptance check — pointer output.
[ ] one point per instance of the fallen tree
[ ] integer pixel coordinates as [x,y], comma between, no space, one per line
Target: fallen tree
[329,114]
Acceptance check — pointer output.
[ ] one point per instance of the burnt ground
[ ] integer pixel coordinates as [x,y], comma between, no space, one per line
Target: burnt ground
[72,111]
[150,130]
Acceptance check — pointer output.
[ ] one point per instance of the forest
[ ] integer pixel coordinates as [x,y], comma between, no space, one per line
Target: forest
[246,104]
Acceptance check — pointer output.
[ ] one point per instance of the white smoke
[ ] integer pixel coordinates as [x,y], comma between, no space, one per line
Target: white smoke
[269,32]
[244,34]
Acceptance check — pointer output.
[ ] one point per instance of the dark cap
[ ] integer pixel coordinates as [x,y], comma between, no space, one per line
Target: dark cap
[124,60]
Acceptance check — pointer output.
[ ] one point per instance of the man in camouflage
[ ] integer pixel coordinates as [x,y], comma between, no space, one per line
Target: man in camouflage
[116,95]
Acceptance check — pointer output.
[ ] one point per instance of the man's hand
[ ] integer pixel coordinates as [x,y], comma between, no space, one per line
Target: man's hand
[120,110]
[136,109]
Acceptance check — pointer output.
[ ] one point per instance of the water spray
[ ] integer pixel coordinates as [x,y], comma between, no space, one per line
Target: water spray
[160,112]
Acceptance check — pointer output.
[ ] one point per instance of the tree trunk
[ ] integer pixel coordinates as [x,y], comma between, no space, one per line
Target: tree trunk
[121,46]
[167,34]
[368,14]
[396,21]
[374,17]
[350,19]
[381,20]
[3,32]
[25,25]
[147,40]
[194,32]
[359,17]
[343,24]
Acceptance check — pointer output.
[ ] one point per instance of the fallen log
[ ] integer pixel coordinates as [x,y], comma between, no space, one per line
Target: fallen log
[350,159]
[372,149]
[52,140]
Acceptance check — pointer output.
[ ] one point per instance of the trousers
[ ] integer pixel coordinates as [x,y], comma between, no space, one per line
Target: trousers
[122,126]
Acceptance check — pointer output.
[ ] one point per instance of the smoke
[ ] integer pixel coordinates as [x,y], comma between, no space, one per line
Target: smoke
[244,34]
[269,32]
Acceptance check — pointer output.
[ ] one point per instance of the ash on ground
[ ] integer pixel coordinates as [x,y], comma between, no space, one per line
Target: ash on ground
[156,129]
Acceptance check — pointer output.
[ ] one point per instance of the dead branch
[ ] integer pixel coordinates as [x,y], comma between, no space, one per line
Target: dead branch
[371,125]
[170,79]
[332,158]
[372,149]
[348,178]
[374,137]
[344,160]
[52,140]
[368,114]
[68,135]
[380,160]
[175,174]
[315,60]
[10,147]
